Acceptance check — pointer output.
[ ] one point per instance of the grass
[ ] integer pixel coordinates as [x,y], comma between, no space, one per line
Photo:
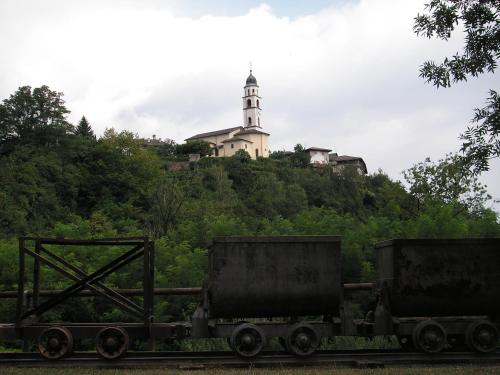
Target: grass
[447,370]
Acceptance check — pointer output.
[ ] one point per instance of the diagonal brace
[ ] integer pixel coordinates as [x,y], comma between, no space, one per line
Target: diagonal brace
[111,291]
[137,312]
[101,273]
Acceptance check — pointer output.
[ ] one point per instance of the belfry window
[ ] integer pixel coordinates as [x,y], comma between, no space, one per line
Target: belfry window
[258,120]
[249,103]
[258,104]
[249,121]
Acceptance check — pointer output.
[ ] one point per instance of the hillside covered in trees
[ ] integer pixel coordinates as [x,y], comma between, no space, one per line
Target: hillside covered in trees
[60,180]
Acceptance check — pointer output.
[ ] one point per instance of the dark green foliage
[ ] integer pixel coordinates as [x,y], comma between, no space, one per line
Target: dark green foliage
[448,181]
[242,156]
[279,155]
[480,20]
[165,203]
[240,172]
[36,117]
[300,158]
[167,149]
[84,129]
[194,147]
[482,139]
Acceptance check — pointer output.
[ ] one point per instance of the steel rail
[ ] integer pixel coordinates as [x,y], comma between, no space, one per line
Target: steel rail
[267,359]
[156,291]
[125,292]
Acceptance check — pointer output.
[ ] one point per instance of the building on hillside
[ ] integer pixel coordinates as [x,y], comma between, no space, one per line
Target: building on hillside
[250,137]
[339,162]
[155,141]
[319,156]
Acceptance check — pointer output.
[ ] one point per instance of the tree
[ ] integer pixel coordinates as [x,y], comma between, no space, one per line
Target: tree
[194,147]
[279,155]
[35,117]
[242,156]
[482,141]
[167,149]
[447,181]
[166,201]
[84,129]
[481,22]
[239,171]
[300,158]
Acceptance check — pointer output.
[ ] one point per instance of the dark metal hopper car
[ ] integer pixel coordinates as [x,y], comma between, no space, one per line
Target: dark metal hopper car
[439,290]
[274,276]
[264,277]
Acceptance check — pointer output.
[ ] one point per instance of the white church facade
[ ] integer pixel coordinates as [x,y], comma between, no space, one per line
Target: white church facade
[250,137]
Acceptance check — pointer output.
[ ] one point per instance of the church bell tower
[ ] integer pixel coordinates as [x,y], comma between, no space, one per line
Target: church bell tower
[252,117]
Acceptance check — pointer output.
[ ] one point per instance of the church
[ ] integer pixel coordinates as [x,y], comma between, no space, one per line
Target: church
[250,137]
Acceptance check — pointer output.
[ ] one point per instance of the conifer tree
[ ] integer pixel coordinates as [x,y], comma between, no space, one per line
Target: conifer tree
[84,129]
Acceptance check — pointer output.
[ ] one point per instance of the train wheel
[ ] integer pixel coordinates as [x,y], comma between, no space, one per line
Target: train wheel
[247,340]
[406,343]
[429,336]
[302,339]
[112,342]
[55,342]
[482,336]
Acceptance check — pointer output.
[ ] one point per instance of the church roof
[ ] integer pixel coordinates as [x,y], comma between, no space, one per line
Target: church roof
[251,80]
[236,140]
[210,134]
[250,131]
[317,149]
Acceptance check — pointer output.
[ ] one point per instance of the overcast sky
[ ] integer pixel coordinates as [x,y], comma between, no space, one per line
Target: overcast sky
[336,74]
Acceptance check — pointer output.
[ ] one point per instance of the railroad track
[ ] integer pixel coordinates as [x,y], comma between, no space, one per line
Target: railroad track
[194,360]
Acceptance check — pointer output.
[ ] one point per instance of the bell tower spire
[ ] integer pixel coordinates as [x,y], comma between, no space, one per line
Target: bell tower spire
[252,117]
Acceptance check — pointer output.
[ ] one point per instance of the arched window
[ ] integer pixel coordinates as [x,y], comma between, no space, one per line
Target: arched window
[253,91]
[249,103]
[248,91]
[256,153]
[249,121]
[258,103]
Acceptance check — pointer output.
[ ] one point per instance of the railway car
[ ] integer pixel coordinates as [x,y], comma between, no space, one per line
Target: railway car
[56,340]
[435,293]
[278,278]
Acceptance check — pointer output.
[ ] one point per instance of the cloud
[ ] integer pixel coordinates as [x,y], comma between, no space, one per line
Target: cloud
[345,77]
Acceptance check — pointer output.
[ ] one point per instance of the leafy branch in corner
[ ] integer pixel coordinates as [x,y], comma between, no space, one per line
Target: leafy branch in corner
[480,20]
